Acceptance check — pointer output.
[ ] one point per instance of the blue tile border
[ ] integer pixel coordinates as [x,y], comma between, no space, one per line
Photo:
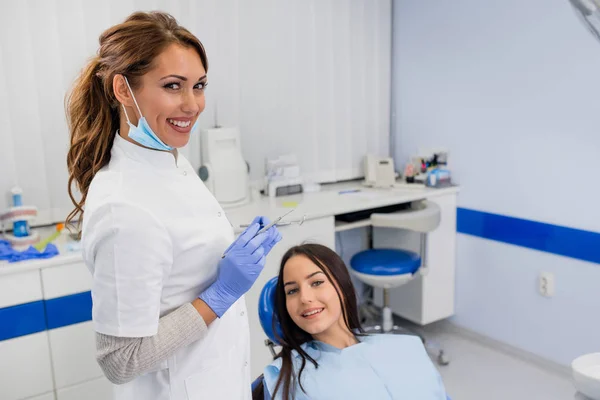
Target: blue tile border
[38,316]
[21,320]
[560,240]
[68,310]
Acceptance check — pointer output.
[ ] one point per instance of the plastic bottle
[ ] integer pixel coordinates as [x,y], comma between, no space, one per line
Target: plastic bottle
[21,227]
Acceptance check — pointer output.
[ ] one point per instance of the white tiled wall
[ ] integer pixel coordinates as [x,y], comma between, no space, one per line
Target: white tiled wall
[99,389]
[55,364]
[25,369]
[20,288]
[47,396]
[73,347]
[73,354]
[65,280]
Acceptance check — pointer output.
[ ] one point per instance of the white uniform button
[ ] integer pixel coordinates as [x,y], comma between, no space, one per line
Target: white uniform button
[246,364]
[242,313]
[184,173]
[219,214]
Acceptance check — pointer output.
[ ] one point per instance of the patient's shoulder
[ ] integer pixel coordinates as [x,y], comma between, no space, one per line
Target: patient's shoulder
[271,374]
[274,367]
[394,342]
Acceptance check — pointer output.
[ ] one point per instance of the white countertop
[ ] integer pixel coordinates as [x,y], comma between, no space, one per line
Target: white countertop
[325,203]
[329,202]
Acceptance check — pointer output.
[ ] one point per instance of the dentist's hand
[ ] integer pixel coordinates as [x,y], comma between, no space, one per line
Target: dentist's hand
[264,221]
[242,264]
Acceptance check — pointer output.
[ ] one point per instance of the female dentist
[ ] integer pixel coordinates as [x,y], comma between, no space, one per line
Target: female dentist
[168,309]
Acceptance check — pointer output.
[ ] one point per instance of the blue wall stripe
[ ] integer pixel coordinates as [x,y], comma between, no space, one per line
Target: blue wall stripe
[68,310]
[26,319]
[568,242]
[22,320]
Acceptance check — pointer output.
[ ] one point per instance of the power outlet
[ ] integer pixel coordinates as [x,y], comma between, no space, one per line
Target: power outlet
[546,284]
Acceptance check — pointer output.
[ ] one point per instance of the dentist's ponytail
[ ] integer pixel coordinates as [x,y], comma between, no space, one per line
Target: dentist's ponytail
[93,112]
[92,124]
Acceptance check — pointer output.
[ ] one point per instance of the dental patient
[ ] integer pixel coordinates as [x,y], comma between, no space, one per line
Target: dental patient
[325,354]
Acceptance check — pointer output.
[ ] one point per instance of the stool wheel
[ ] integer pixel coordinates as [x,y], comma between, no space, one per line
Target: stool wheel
[442,359]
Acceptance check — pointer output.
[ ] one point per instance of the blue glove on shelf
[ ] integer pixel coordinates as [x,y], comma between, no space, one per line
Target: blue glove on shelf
[11,255]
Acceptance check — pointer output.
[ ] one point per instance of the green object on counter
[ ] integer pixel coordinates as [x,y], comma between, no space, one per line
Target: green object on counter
[42,244]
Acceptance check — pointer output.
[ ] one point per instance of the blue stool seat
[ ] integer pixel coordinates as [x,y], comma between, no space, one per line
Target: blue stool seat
[386,262]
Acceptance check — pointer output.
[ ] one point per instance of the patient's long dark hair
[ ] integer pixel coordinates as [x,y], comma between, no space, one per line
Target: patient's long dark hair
[293,337]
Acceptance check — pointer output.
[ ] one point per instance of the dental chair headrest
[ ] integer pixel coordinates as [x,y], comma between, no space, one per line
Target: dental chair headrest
[266,310]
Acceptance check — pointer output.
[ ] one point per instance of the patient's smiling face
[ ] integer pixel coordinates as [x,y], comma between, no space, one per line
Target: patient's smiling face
[311,298]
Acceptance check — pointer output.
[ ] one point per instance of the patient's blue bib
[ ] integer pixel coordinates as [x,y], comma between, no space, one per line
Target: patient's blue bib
[380,367]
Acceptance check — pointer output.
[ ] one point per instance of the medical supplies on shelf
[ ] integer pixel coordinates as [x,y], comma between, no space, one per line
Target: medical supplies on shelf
[282,176]
[18,218]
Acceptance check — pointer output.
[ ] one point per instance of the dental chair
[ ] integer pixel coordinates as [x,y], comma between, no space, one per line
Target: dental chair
[269,323]
[391,268]
[266,315]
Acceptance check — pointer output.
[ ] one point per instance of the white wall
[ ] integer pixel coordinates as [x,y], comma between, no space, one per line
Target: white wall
[315,81]
[303,76]
[511,89]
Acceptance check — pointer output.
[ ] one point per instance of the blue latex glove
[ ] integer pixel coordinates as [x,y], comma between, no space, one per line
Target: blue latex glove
[238,270]
[264,221]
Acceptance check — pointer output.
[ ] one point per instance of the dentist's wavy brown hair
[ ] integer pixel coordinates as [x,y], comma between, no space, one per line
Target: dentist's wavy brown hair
[93,113]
